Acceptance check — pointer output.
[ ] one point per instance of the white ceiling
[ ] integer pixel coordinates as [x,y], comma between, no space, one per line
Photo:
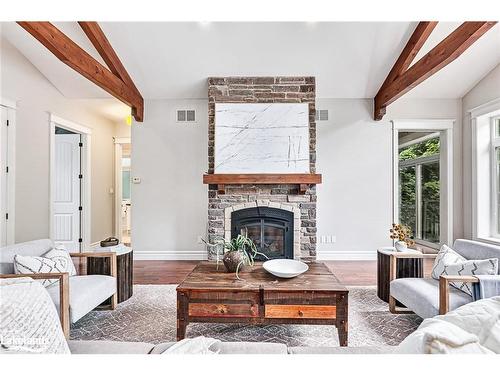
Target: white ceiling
[173,60]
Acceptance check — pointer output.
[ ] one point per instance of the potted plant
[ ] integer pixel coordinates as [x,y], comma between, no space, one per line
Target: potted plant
[402,235]
[238,252]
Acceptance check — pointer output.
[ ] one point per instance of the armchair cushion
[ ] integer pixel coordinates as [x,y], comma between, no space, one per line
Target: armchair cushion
[85,293]
[422,296]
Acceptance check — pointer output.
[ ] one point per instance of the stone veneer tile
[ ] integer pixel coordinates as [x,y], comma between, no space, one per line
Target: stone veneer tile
[264,90]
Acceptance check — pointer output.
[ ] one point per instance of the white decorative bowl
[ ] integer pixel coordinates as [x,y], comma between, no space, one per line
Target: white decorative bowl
[286,268]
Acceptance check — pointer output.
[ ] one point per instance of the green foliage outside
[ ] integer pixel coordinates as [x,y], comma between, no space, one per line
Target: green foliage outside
[430,190]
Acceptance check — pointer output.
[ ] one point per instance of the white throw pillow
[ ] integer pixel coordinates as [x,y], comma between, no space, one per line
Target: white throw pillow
[60,254]
[449,262]
[54,261]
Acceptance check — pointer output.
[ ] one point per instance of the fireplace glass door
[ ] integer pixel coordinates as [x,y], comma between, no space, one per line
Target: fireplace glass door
[270,229]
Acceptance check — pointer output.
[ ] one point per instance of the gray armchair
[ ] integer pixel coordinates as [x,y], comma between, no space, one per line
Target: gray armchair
[73,296]
[428,297]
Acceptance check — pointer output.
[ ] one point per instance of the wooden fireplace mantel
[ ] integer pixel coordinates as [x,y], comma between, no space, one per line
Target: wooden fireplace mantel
[301,179]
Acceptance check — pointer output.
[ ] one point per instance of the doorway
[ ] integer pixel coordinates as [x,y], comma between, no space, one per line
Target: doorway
[123,197]
[422,181]
[69,180]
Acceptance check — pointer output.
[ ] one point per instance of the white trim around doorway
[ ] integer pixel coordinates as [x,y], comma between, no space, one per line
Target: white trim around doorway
[118,184]
[445,127]
[86,172]
[11,107]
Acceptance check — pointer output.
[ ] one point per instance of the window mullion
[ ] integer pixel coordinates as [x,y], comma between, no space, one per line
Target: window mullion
[418,203]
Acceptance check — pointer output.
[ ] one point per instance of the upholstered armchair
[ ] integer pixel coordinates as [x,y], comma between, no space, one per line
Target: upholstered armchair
[73,296]
[428,297]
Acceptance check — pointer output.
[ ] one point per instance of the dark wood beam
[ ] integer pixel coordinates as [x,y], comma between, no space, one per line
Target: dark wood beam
[441,55]
[76,58]
[413,46]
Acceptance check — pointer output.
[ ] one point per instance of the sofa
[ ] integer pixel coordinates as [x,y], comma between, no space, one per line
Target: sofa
[79,294]
[428,297]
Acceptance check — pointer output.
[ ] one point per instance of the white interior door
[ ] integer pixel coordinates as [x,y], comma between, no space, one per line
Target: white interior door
[3,176]
[67,191]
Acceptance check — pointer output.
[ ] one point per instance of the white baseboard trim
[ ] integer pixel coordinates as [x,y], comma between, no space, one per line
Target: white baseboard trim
[346,255]
[170,255]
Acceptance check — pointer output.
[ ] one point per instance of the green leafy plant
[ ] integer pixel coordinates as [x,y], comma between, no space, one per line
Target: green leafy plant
[242,244]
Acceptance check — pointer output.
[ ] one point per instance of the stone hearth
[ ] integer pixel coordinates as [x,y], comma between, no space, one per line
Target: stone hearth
[235,197]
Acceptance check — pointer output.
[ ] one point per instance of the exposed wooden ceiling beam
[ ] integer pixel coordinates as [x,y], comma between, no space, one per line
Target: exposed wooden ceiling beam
[108,54]
[413,46]
[76,58]
[400,80]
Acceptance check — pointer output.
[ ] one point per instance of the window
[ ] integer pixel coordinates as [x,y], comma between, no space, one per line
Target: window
[495,176]
[419,184]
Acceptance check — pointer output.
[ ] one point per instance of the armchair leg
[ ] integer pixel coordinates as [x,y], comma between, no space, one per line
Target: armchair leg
[394,310]
[64,304]
[114,301]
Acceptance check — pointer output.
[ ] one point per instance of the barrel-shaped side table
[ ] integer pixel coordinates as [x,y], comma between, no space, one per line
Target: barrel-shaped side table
[406,267]
[124,267]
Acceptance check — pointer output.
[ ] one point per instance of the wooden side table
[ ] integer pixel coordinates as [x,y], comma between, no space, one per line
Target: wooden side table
[405,268]
[124,267]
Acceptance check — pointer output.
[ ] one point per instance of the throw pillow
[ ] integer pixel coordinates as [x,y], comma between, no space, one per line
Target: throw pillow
[449,262]
[61,255]
[31,265]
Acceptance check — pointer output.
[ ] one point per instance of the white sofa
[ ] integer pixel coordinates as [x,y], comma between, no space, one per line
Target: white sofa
[86,292]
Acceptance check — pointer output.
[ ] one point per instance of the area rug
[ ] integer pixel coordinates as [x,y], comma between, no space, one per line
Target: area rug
[150,316]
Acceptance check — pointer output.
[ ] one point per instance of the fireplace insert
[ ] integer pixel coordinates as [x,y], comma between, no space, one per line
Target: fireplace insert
[271,229]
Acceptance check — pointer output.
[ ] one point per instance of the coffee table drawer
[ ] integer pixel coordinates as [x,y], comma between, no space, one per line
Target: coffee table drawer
[229,310]
[300,311]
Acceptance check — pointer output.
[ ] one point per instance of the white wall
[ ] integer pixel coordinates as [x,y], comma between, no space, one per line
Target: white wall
[36,97]
[354,154]
[485,91]
[170,204]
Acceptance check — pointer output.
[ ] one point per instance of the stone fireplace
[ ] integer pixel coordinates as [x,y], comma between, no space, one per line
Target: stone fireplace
[278,209]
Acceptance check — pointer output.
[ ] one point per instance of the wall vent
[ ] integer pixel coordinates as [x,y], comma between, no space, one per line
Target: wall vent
[186,115]
[322,115]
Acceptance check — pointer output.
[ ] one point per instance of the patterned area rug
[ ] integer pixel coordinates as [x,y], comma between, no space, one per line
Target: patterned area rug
[150,316]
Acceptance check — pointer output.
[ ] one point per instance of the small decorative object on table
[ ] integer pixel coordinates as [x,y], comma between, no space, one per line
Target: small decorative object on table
[403,236]
[238,252]
[285,268]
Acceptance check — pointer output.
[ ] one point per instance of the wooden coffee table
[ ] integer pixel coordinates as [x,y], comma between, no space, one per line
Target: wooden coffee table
[208,295]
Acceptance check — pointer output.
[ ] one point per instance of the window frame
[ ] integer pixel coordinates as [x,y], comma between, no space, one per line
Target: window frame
[495,178]
[445,129]
[418,163]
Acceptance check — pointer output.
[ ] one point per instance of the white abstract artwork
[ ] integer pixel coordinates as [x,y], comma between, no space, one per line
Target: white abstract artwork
[261,138]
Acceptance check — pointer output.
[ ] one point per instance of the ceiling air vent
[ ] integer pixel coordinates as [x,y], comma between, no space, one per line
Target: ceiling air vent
[322,115]
[186,115]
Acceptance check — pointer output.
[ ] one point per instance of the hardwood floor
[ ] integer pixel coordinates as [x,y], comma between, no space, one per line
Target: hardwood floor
[173,272]
[359,273]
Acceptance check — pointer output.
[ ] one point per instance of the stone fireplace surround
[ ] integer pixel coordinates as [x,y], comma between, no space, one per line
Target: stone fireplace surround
[235,197]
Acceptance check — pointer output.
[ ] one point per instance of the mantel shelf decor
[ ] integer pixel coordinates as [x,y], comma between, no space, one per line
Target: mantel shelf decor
[301,179]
